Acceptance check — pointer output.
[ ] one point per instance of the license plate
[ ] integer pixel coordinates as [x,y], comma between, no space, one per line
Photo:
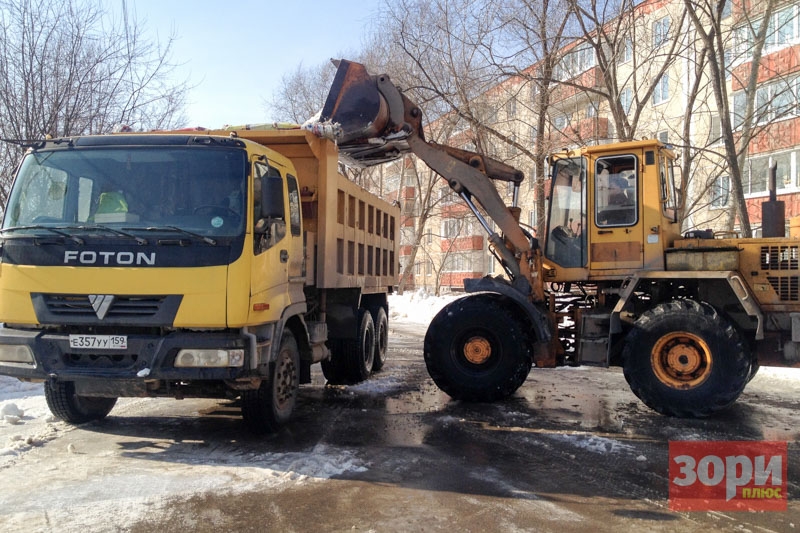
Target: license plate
[99,342]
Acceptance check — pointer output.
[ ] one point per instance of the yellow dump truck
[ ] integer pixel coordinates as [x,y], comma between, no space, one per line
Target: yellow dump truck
[216,264]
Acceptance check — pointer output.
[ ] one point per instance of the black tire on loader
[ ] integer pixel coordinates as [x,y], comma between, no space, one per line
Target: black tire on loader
[73,408]
[269,407]
[477,350]
[683,359]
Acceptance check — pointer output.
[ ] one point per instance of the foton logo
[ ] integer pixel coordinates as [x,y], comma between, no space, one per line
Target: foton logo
[727,476]
[90,257]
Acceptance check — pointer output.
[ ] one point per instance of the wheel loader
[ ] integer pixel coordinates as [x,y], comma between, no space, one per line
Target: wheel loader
[613,282]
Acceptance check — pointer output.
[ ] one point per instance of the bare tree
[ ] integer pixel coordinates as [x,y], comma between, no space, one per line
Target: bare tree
[301,93]
[70,68]
[707,17]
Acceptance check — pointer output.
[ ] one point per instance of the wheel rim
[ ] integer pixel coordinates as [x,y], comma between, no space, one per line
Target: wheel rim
[477,350]
[285,376]
[681,360]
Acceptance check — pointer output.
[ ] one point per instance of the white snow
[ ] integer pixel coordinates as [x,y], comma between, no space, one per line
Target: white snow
[417,307]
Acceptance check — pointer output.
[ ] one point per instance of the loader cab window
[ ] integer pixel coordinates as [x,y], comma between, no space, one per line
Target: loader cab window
[669,197]
[566,243]
[616,199]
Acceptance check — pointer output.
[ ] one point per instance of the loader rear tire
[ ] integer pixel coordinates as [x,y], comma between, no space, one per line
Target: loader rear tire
[73,408]
[269,407]
[683,359]
[476,350]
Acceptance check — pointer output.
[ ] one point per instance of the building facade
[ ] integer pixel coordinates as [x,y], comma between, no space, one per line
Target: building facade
[643,75]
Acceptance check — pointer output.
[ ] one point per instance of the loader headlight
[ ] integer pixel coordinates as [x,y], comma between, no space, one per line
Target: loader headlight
[16,353]
[209,358]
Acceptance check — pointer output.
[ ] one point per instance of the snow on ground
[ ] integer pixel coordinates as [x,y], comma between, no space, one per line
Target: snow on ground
[26,424]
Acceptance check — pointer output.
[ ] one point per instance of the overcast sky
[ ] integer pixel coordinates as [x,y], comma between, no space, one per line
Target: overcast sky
[235,52]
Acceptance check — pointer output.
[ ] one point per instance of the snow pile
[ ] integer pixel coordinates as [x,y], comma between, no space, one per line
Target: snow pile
[593,443]
[417,307]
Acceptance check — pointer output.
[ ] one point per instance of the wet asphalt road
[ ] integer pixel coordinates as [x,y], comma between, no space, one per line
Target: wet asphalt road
[574,450]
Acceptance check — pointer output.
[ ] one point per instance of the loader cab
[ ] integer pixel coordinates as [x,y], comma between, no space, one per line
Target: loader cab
[612,211]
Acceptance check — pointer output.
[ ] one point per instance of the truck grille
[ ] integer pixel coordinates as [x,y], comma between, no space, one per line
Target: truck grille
[129,306]
[102,361]
[779,258]
[105,309]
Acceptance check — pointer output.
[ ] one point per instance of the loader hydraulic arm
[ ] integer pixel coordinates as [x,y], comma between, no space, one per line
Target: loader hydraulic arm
[373,122]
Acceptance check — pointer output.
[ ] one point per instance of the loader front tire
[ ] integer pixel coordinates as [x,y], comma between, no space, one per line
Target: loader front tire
[683,359]
[477,350]
[73,408]
[269,407]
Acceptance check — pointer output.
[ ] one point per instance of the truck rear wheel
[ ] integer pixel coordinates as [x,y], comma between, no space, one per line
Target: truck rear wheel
[476,350]
[74,408]
[381,338]
[270,406]
[683,359]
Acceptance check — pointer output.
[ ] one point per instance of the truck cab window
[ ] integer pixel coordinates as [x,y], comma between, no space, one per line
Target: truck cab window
[265,237]
[615,191]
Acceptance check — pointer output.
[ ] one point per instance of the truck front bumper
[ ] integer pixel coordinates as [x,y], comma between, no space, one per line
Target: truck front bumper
[41,354]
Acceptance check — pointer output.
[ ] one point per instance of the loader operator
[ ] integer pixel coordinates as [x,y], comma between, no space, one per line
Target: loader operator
[621,209]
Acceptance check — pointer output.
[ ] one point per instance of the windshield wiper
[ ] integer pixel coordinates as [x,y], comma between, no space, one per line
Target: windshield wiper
[100,227]
[57,231]
[176,229]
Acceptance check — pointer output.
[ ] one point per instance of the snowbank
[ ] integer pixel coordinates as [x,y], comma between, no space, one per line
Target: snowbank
[418,306]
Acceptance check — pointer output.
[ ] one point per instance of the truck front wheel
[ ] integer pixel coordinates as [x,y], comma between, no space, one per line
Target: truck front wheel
[270,406]
[683,359]
[477,350]
[74,408]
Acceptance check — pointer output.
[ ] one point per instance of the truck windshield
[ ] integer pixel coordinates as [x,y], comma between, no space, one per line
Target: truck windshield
[197,189]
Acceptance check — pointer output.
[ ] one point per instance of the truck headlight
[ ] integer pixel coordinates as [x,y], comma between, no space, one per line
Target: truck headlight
[16,353]
[209,358]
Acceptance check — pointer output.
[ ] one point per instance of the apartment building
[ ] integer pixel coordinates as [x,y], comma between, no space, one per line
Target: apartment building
[640,77]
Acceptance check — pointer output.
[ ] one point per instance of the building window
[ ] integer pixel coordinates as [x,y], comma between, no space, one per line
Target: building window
[627,50]
[626,100]
[720,191]
[560,122]
[715,130]
[591,111]
[511,107]
[660,32]
[661,93]
[663,136]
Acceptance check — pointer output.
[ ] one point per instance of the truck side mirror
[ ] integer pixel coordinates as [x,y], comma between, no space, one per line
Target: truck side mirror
[272,197]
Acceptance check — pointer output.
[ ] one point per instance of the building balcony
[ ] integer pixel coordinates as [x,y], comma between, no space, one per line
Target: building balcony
[462,244]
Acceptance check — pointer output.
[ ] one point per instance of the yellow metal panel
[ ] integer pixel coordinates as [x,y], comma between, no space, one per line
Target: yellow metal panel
[203,289]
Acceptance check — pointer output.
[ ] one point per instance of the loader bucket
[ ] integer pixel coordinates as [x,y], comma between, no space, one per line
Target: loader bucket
[355,104]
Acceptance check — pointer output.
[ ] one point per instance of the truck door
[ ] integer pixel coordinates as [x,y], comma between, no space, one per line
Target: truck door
[617,228]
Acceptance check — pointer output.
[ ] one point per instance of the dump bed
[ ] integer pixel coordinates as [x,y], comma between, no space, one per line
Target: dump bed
[352,235]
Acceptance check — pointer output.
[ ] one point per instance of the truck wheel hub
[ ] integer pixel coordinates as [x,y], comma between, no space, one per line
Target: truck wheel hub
[477,350]
[681,360]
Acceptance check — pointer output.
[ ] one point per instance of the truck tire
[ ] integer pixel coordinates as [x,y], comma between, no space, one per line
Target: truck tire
[683,359]
[477,350]
[359,355]
[381,338]
[73,408]
[332,367]
[269,407]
